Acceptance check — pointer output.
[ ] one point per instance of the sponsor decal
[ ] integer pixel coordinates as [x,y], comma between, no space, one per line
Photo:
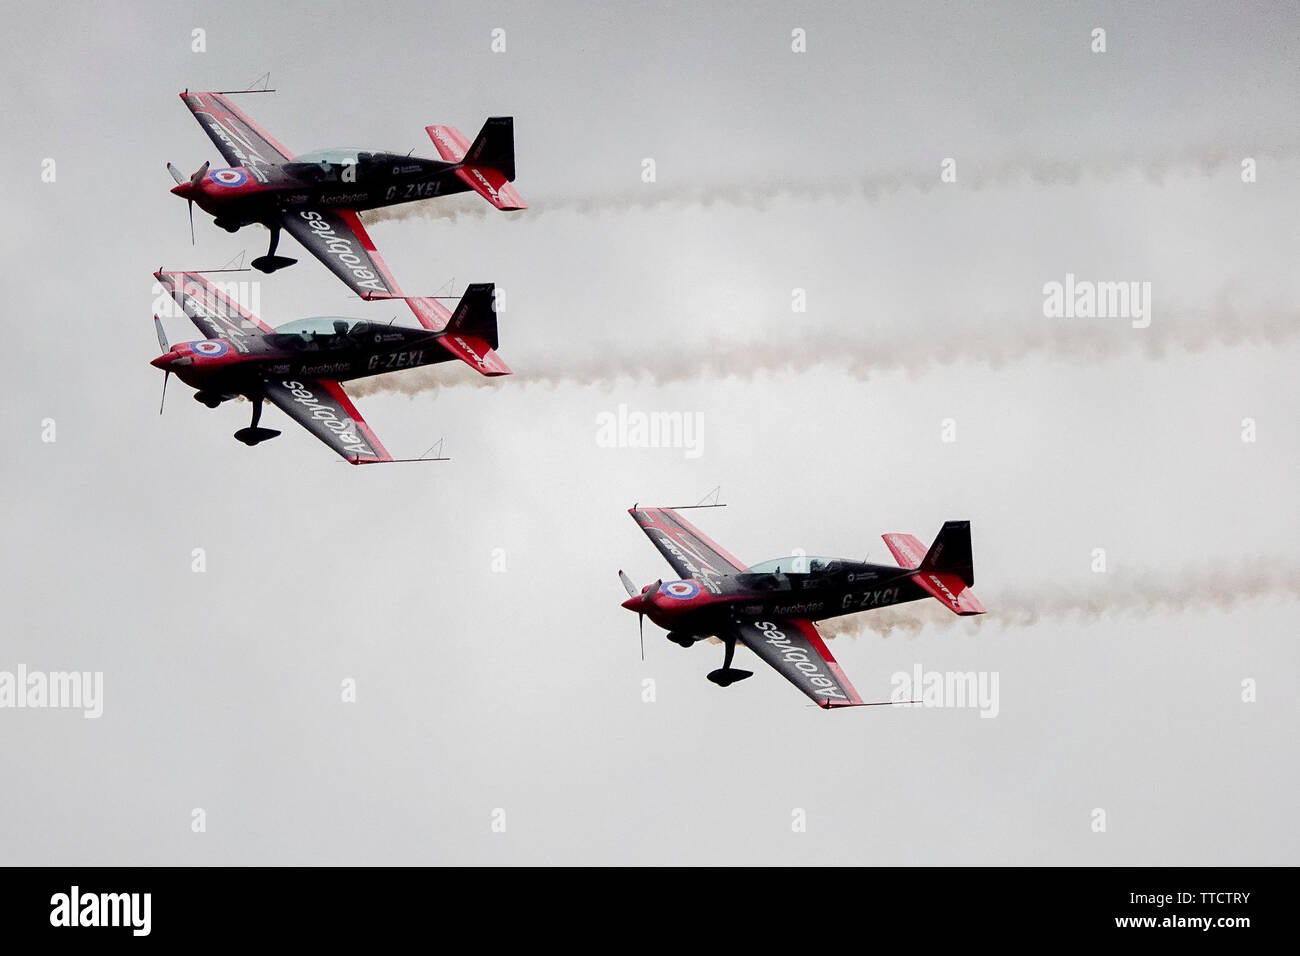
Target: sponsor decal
[682,590]
[243,150]
[342,248]
[220,314]
[403,170]
[694,564]
[327,413]
[488,188]
[800,609]
[444,140]
[229,177]
[326,368]
[796,654]
[474,355]
[938,582]
[212,348]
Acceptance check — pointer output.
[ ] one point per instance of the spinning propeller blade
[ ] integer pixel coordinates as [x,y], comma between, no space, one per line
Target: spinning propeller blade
[654,589]
[189,199]
[162,344]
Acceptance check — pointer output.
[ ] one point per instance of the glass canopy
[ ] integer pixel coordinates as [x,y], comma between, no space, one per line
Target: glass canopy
[797,564]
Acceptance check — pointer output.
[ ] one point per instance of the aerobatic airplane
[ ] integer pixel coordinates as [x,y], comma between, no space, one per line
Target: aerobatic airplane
[770,607]
[316,196]
[299,366]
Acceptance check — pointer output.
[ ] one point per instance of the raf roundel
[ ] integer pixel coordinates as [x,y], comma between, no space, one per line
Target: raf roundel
[230,177]
[682,590]
[211,348]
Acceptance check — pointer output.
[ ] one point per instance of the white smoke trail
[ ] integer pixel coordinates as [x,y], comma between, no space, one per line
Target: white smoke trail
[1205,161]
[1186,590]
[993,344]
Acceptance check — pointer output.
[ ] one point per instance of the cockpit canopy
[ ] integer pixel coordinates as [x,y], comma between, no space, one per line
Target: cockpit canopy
[324,332]
[324,166]
[323,325]
[334,156]
[798,564]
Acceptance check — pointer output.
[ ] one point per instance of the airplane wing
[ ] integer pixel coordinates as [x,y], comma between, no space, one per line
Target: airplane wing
[216,314]
[337,238]
[240,141]
[322,407]
[687,549]
[797,651]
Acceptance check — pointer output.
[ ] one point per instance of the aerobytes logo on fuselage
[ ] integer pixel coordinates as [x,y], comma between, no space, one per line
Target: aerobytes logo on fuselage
[327,413]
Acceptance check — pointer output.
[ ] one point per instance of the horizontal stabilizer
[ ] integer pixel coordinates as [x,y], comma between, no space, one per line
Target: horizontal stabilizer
[475,352]
[906,549]
[449,142]
[493,186]
[950,590]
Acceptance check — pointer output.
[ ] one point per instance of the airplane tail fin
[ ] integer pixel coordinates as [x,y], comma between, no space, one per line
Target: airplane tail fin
[471,335]
[946,570]
[487,165]
[950,552]
[494,146]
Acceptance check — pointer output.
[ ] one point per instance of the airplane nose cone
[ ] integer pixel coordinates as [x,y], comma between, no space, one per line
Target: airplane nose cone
[184,190]
[164,360]
[633,603]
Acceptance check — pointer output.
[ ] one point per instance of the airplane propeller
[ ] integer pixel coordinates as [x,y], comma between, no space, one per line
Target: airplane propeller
[167,373]
[645,599]
[189,194]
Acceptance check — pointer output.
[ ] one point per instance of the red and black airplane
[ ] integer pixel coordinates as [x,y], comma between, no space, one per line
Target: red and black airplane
[299,366]
[770,607]
[316,196]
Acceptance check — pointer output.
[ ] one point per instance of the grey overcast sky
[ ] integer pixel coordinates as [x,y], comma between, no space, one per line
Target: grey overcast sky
[475,602]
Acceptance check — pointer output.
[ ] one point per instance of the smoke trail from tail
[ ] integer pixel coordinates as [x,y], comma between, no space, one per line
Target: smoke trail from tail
[1206,161]
[993,344]
[1188,590]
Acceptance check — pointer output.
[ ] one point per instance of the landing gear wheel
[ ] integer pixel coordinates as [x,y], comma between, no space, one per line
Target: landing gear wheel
[255,436]
[727,676]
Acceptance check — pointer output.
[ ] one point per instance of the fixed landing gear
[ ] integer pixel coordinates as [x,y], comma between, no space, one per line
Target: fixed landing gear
[252,435]
[728,675]
[271,262]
